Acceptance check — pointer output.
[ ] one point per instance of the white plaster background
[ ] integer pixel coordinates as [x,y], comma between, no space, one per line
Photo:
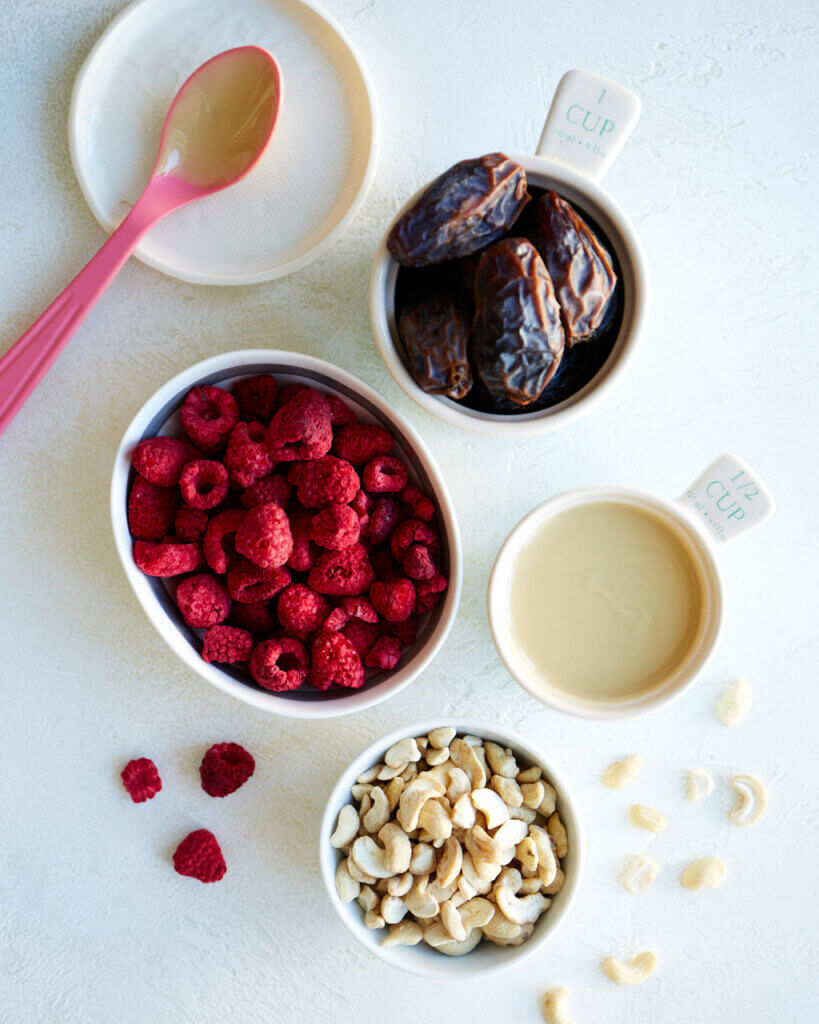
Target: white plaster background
[94,924]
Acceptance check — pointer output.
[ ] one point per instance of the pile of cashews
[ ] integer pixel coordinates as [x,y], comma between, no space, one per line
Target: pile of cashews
[451,842]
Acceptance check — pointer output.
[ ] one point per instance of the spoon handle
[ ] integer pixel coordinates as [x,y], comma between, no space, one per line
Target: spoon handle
[27,361]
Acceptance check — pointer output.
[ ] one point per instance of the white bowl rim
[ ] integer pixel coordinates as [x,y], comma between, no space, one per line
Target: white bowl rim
[441,966]
[522,425]
[357,700]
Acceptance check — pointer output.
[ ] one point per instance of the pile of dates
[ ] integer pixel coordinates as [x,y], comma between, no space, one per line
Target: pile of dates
[506,301]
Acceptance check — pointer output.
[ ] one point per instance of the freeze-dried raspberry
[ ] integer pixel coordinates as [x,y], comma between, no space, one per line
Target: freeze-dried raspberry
[225,768]
[160,459]
[305,552]
[429,593]
[419,505]
[150,509]
[384,654]
[256,396]
[301,611]
[351,608]
[335,527]
[279,665]
[249,583]
[208,415]
[418,563]
[406,632]
[360,442]
[340,573]
[200,856]
[141,779]
[166,558]
[264,535]
[362,635]
[384,473]
[190,523]
[289,392]
[337,619]
[324,481]
[257,617]
[362,504]
[203,600]
[412,531]
[333,659]
[383,563]
[384,518]
[219,543]
[340,413]
[270,488]
[204,483]
[227,644]
[393,599]
[246,456]
[302,429]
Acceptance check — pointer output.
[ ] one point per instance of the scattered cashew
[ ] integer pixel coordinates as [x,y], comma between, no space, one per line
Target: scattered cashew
[638,873]
[553,1006]
[370,857]
[442,737]
[407,933]
[465,758]
[347,887]
[490,804]
[734,702]
[507,789]
[706,873]
[557,830]
[397,847]
[346,827]
[699,785]
[621,773]
[401,753]
[751,802]
[630,972]
[520,909]
[648,818]
[379,813]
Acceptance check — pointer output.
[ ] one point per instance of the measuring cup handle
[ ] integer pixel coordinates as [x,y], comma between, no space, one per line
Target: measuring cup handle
[728,499]
[588,122]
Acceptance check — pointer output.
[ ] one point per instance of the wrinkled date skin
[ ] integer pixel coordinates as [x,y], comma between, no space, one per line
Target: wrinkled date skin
[580,267]
[517,333]
[466,208]
[435,332]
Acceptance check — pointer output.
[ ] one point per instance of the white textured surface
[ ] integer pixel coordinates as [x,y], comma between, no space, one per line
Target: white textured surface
[94,924]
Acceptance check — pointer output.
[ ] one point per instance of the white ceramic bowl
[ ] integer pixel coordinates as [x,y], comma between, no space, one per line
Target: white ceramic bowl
[486,957]
[160,415]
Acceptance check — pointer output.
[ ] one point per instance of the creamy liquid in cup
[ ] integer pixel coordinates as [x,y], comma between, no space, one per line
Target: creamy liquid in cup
[605,601]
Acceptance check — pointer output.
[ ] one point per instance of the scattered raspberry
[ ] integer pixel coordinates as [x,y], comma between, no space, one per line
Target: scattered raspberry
[270,488]
[150,509]
[363,505]
[246,456]
[360,442]
[256,617]
[419,505]
[384,518]
[141,779]
[279,665]
[393,599]
[412,531]
[226,644]
[340,413]
[383,563]
[301,611]
[166,558]
[256,396]
[384,654]
[208,415]
[406,631]
[302,429]
[335,527]
[384,473]
[203,601]
[190,523]
[305,552]
[204,484]
[225,768]
[334,660]
[248,583]
[200,856]
[218,545]
[264,535]
[418,563]
[324,481]
[160,460]
[362,635]
[340,573]
[429,593]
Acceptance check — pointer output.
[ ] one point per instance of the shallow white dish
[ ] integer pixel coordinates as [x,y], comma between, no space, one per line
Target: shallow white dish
[486,958]
[160,415]
[309,184]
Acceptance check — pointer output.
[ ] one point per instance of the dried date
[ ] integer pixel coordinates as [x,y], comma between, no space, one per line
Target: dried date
[466,208]
[517,333]
[580,267]
[435,332]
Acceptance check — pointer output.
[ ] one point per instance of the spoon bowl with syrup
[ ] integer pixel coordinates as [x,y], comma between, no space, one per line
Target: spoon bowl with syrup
[215,132]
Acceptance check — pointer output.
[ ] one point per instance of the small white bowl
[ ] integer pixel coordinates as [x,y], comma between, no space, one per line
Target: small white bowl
[486,958]
[160,415]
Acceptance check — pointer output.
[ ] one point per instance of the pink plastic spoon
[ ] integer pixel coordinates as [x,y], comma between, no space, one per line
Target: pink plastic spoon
[216,130]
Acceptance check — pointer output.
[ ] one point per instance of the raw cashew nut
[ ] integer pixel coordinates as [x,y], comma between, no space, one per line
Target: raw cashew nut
[360,790]
[441,738]
[346,827]
[510,834]
[507,789]
[557,830]
[511,878]
[372,919]
[397,848]
[556,884]
[465,758]
[368,856]
[450,862]
[478,885]
[419,902]
[451,920]
[554,1006]
[400,885]
[437,937]
[527,854]
[458,784]
[523,814]
[480,844]
[638,873]
[699,785]
[530,774]
[630,972]
[413,798]
[499,761]
[347,887]
[463,812]
[734,703]
[529,885]
[409,773]
[475,913]
[549,801]
[434,757]
[647,818]
[401,753]
[442,893]
[490,804]
[389,771]
[520,909]
[379,813]
[395,787]
[500,930]
[706,873]
[370,775]
[407,933]
[367,898]
[434,818]
[393,909]
[751,803]
[422,860]
[533,793]
[486,869]
[547,863]
[622,773]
